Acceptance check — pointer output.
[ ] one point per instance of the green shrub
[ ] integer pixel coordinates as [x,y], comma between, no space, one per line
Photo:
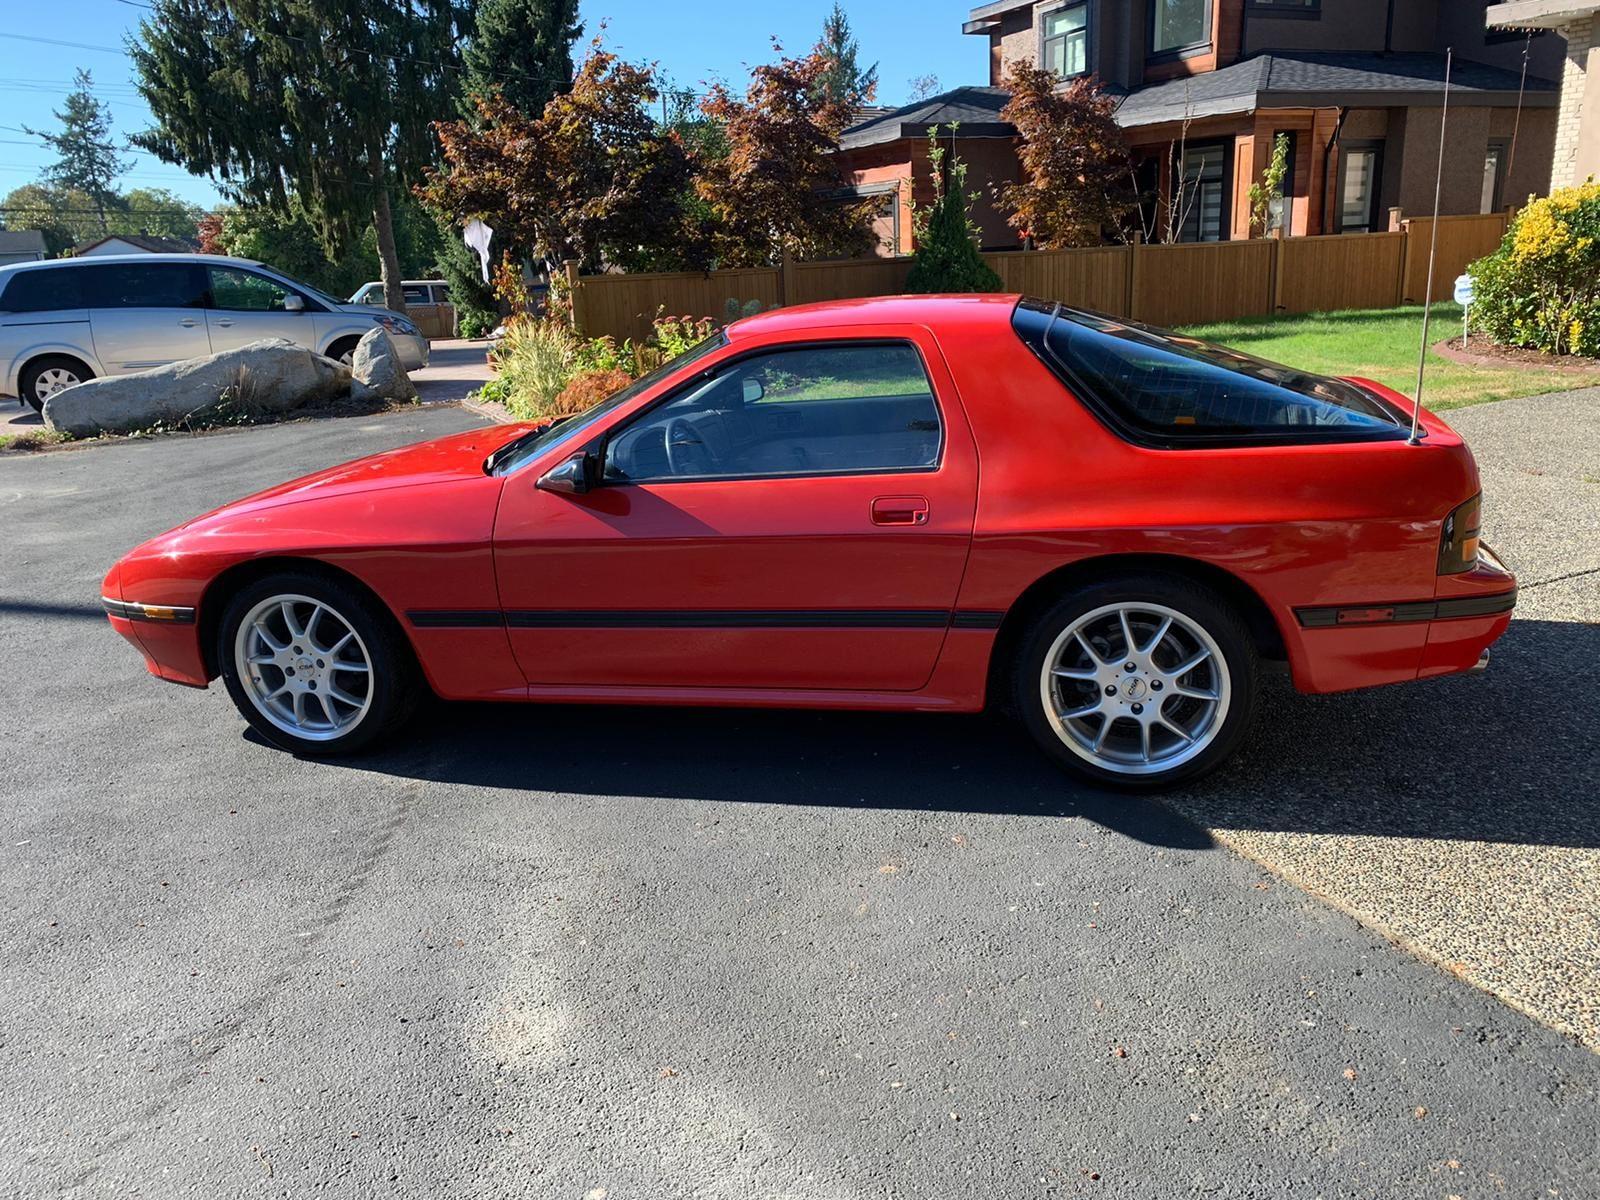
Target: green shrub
[947,257]
[475,322]
[1541,289]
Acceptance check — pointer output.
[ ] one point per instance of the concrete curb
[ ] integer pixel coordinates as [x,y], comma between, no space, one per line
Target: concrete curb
[492,409]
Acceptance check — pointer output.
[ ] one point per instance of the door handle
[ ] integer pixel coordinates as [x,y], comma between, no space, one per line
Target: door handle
[187,322]
[900,510]
[222,324]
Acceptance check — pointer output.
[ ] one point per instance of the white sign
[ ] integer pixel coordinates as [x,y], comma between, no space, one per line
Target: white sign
[477,236]
[1463,293]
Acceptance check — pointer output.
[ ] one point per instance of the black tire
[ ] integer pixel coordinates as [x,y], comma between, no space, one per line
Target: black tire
[396,683]
[342,347]
[1203,613]
[28,385]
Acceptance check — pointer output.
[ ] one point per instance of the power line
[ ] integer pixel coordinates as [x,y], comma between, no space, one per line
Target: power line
[43,41]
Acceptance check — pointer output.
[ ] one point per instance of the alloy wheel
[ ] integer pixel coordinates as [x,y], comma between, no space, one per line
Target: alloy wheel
[53,380]
[304,667]
[1136,688]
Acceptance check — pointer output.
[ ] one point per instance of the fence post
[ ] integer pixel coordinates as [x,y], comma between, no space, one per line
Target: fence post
[1133,273]
[575,294]
[787,290]
[1396,216]
[1405,263]
[1275,296]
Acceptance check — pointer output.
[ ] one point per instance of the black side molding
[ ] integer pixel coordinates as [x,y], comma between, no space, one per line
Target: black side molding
[485,618]
[1408,612]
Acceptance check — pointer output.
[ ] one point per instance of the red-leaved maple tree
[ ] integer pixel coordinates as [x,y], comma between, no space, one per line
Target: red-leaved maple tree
[592,177]
[1075,181]
[779,188]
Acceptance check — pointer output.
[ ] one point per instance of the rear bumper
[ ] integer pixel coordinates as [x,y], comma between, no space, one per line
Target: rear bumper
[1387,641]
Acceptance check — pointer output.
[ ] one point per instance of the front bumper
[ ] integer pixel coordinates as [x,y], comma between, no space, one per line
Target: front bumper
[413,350]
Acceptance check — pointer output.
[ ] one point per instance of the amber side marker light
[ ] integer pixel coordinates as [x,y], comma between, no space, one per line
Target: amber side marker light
[1458,544]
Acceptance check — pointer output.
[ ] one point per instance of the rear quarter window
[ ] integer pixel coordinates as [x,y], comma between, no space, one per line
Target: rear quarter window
[1160,388]
[43,291]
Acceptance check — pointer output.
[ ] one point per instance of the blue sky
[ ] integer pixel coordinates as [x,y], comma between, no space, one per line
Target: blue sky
[693,42]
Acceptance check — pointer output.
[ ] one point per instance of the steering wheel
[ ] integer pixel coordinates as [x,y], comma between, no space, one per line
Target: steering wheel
[687,453]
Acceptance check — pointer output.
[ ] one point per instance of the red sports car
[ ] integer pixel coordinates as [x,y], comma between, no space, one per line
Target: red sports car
[923,503]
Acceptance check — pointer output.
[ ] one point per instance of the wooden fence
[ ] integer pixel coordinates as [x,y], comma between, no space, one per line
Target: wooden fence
[1183,284]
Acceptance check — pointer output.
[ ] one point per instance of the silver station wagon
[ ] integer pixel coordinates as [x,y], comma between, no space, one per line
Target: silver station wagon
[67,321]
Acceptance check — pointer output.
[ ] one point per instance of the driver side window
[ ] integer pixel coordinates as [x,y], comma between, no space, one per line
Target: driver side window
[245,291]
[825,409]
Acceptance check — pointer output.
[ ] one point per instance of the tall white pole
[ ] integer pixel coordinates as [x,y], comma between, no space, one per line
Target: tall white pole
[1433,247]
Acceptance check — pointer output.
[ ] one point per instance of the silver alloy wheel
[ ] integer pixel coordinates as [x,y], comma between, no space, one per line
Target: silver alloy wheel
[304,667]
[1136,688]
[56,379]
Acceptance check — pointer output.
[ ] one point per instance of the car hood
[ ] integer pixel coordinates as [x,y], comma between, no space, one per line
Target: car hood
[458,456]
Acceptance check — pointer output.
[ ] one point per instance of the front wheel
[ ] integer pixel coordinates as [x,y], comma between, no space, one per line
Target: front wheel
[1142,683]
[314,665]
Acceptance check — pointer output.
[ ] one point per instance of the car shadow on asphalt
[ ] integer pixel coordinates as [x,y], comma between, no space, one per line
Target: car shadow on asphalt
[1507,756]
[939,763]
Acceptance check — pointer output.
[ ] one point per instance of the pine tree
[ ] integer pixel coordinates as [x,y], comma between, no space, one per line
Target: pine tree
[947,257]
[844,82]
[87,160]
[523,48]
[321,107]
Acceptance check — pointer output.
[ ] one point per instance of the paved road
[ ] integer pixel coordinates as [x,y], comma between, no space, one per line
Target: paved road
[593,952]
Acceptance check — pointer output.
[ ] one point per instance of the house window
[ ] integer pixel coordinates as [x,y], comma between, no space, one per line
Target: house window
[1201,194]
[1179,25]
[1360,169]
[1066,40]
[1494,178]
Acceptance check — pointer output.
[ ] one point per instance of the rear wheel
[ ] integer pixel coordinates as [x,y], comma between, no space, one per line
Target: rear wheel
[44,377]
[314,665]
[1142,682]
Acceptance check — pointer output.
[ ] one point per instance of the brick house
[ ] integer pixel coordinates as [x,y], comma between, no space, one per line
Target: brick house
[1577,22]
[1204,87]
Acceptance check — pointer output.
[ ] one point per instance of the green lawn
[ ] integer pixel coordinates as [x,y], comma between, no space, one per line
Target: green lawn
[1381,344]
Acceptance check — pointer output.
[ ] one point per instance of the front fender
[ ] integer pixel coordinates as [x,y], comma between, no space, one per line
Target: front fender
[424,547]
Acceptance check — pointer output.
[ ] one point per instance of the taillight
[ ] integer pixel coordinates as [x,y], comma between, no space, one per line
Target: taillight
[1458,545]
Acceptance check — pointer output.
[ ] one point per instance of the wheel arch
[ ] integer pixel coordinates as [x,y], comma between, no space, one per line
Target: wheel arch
[1264,629]
[35,353]
[228,583]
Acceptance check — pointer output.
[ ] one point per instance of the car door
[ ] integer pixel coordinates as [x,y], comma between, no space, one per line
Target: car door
[246,306]
[144,315]
[797,516]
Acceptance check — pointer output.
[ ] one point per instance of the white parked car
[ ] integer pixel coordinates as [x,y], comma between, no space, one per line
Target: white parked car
[416,291]
[69,320]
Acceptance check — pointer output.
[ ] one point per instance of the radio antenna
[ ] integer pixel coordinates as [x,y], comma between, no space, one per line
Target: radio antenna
[1433,248]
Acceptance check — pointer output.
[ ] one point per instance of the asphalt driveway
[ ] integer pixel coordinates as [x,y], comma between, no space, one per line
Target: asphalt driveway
[637,953]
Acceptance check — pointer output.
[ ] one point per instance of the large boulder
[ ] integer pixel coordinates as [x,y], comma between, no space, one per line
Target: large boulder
[269,376]
[376,364]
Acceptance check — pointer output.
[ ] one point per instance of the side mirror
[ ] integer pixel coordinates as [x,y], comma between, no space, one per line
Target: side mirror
[752,390]
[293,302]
[570,476]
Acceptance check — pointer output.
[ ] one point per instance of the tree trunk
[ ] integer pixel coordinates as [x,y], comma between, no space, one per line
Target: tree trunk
[388,257]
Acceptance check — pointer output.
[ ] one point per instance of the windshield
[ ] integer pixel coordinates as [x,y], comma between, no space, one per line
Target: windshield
[536,441]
